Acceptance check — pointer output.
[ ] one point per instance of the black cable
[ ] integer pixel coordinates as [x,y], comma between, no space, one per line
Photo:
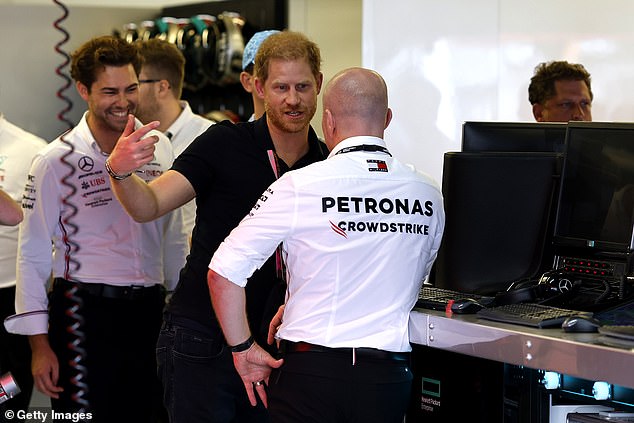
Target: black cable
[59,70]
[66,221]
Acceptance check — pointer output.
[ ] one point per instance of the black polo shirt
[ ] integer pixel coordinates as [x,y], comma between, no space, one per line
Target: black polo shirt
[229,168]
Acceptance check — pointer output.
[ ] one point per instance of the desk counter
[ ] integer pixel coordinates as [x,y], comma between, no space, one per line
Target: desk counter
[585,355]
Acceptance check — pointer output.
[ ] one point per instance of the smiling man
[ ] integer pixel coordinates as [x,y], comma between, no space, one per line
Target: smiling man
[227,168]
[95,333]
[560,92]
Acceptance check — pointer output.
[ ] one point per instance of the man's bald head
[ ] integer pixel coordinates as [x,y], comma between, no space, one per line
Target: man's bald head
[355,103]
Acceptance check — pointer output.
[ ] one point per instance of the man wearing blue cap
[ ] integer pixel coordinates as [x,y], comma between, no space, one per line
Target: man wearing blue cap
[247,78]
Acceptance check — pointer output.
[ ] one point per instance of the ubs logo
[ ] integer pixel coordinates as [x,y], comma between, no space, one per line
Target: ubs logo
[86,163]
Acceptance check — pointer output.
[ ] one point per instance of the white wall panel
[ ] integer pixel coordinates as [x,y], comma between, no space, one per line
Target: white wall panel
[451,61]
[337,34]
[29,83]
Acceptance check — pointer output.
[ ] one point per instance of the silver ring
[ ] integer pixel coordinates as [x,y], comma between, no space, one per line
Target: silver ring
[259,383]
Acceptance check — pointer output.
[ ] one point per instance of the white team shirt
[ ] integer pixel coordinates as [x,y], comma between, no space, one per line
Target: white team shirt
[113,248]
[183,131]
[360,232]
[17,148]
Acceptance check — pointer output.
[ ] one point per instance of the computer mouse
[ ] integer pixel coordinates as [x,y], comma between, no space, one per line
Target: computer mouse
[580,323]
[466,306]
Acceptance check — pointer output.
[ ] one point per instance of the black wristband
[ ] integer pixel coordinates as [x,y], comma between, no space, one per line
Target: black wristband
[243,346]
[114,175]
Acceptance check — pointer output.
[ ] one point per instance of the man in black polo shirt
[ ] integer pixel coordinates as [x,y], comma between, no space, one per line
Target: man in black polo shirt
[226,169]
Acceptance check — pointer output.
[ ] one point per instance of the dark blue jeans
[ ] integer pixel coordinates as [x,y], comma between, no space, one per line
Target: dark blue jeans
[200,383]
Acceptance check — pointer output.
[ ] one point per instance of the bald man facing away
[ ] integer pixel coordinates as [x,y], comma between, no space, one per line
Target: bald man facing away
[360,232]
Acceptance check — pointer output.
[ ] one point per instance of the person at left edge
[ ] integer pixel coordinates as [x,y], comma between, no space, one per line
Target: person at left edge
[17,148]
[113,268]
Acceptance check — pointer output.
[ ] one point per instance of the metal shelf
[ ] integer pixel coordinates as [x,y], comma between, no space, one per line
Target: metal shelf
[584,355]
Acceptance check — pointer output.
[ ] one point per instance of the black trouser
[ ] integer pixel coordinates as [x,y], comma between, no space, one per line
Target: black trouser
[114,345]
[15,357]
[326,387]
[200,381]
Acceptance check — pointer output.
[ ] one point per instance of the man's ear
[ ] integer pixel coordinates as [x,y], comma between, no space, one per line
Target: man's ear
[245,80]
[82,90]
[328,122]
[388,117]
[259,87]
[538,112]
[164,86]
[320,81]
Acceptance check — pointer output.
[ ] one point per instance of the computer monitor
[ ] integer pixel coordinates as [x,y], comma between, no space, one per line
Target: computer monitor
[593,228]
[596,204]
[513,136]
[499,210]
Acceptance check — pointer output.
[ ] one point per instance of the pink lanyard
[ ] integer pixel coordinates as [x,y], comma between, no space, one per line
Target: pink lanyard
[273,161]
[280,268]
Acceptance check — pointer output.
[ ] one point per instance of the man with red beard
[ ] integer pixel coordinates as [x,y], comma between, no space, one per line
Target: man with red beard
[227,168]
[93,337]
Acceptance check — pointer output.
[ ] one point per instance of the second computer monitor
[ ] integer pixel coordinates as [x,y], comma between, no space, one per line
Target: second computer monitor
[596,204]
[513,136]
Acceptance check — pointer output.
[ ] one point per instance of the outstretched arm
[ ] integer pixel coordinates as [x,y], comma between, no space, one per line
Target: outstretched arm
[144,202]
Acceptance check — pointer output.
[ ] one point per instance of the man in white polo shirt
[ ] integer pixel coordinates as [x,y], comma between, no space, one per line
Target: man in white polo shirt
[360,232]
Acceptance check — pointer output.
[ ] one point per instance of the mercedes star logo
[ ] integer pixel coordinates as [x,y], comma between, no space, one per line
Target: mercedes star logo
[564,285]
[86,163]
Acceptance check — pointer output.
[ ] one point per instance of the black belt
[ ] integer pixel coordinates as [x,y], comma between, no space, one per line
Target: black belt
[131,292]
[170,320]
[290,347]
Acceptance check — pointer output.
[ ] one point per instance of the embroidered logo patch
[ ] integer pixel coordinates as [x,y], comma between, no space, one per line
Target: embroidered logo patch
[377,165]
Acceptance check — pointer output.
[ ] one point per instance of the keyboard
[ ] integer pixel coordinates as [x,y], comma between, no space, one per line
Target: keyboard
[435,298]
[528,314]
